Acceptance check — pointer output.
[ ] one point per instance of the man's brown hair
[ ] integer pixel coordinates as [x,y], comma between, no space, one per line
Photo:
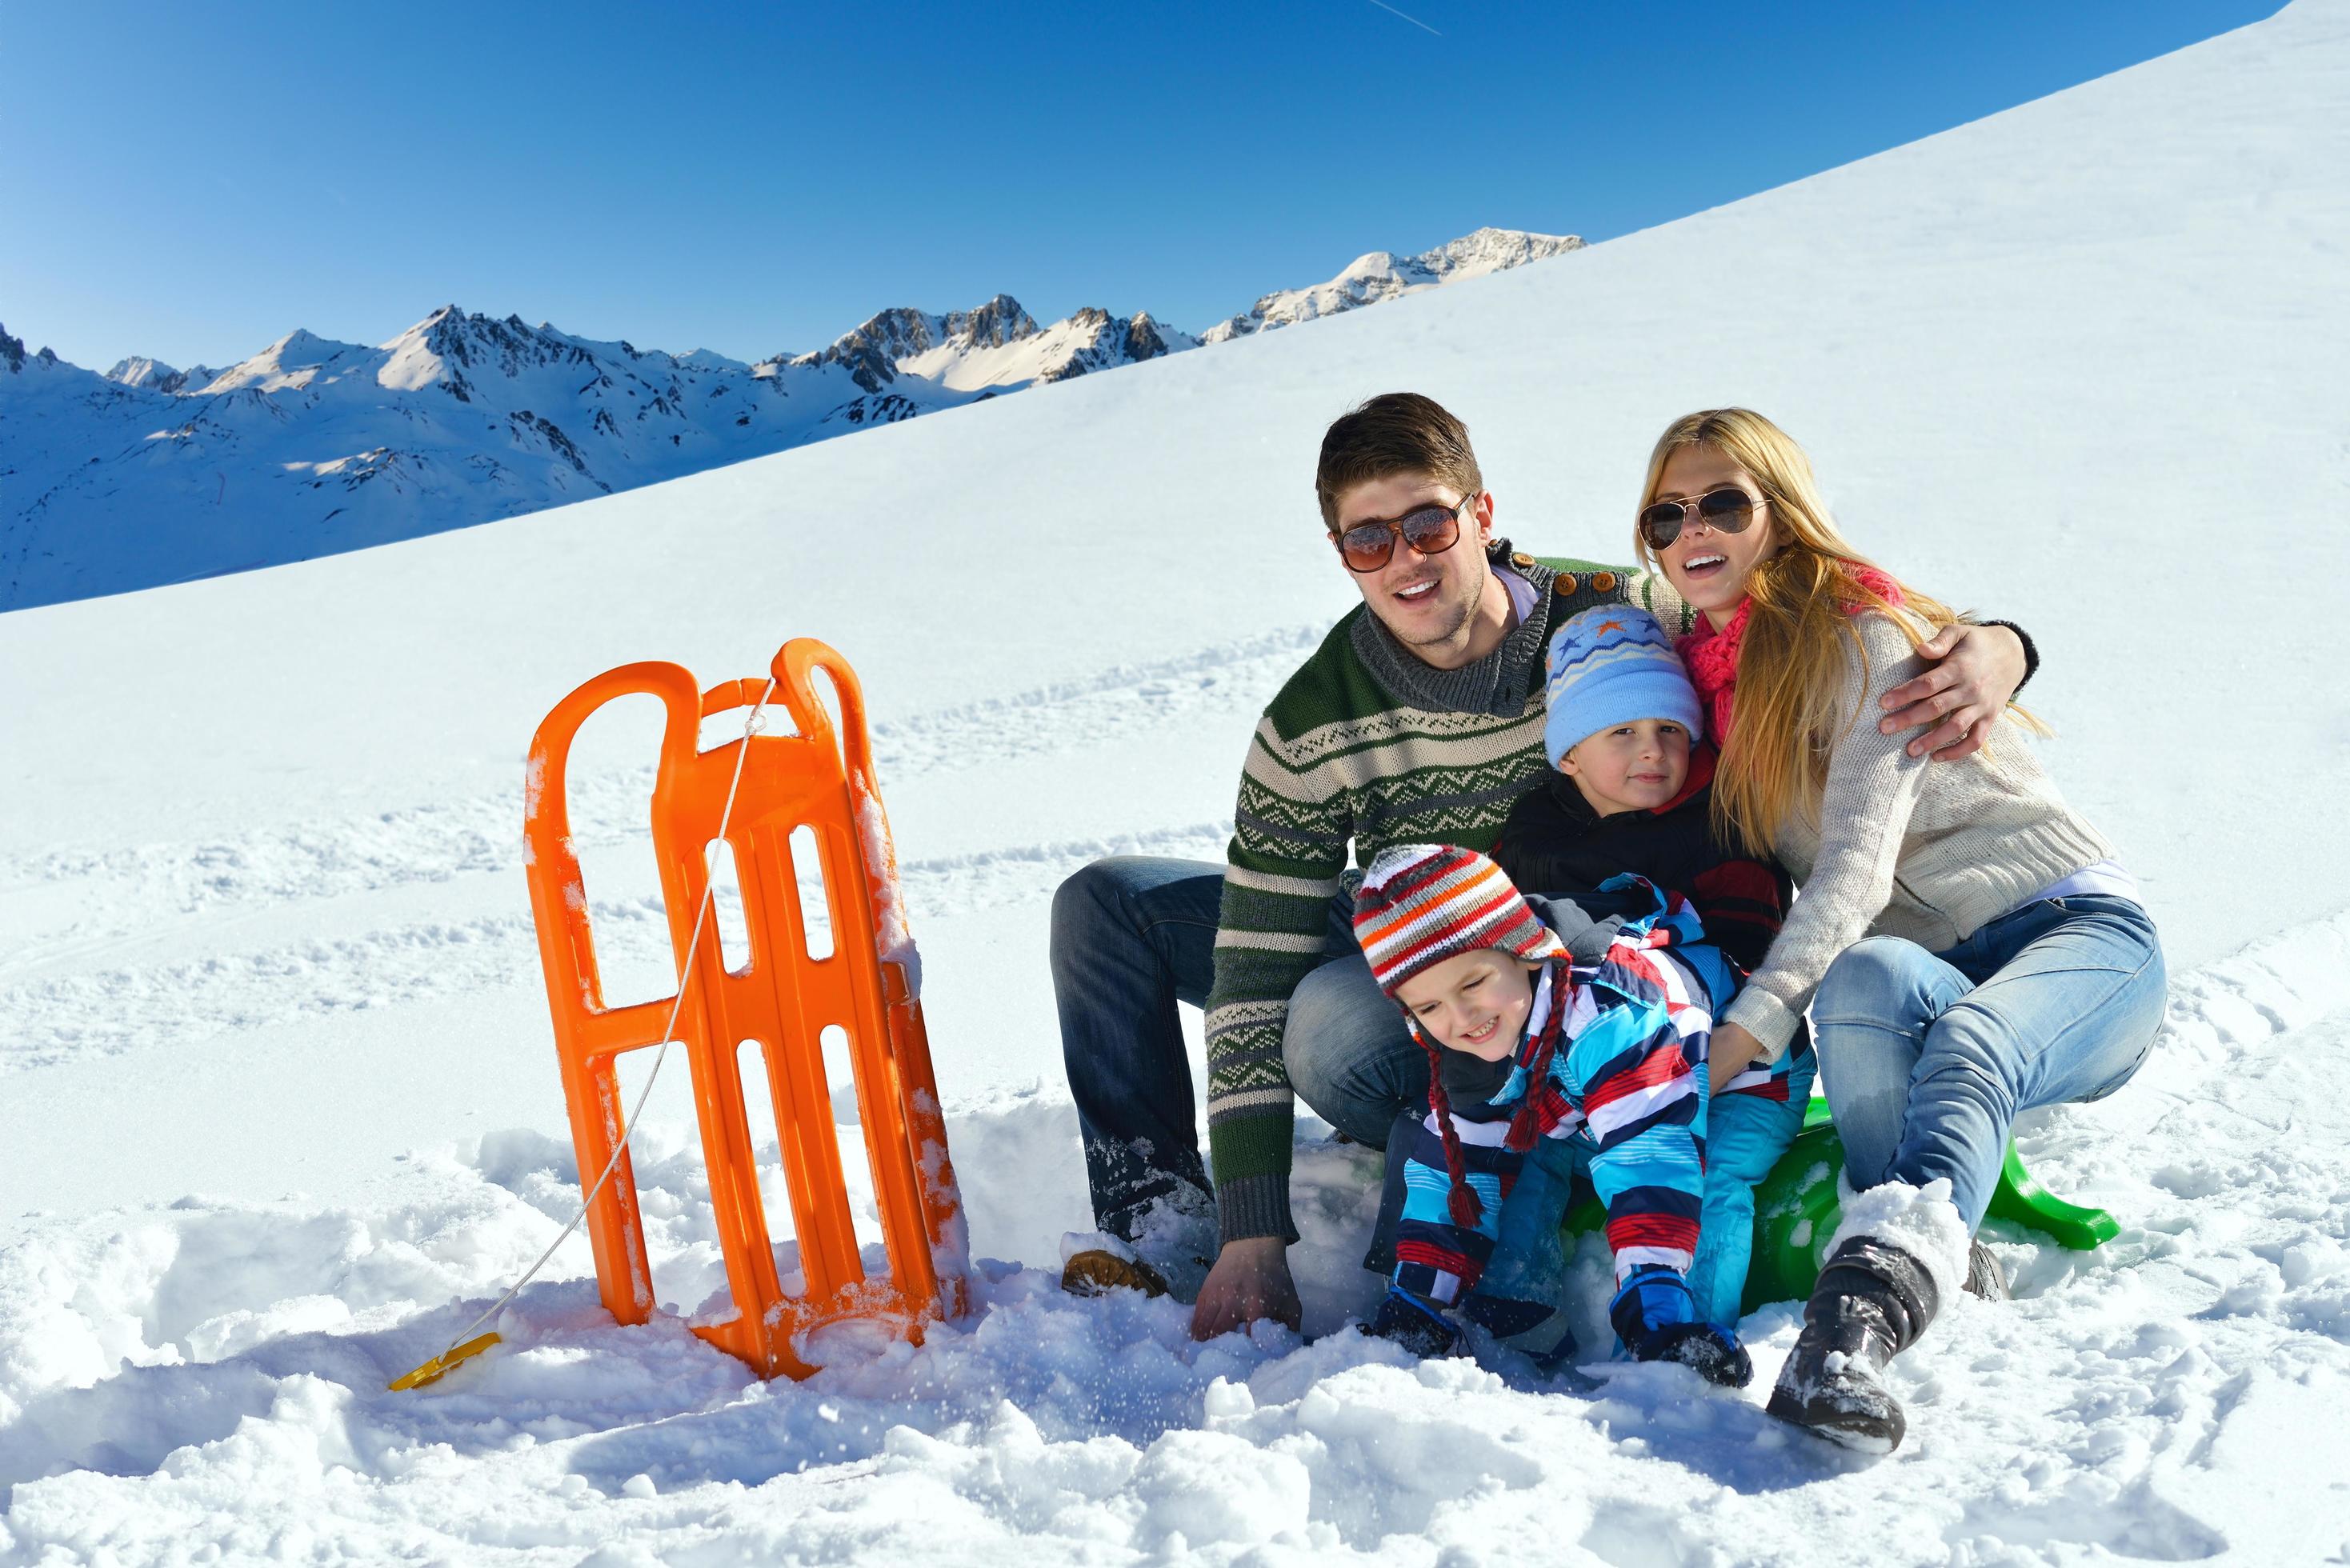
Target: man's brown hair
[1394,432]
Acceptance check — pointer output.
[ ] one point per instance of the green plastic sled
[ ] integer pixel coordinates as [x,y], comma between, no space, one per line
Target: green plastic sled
[1796,1209]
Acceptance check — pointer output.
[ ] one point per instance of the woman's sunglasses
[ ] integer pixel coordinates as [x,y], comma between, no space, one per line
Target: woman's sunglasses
[1431,530]
[1728,510]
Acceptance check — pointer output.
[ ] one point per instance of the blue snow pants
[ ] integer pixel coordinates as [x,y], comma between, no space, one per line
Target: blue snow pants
[1745,1136]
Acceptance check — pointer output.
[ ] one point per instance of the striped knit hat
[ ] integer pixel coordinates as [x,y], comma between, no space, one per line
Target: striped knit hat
[1607,667]
[1420,904]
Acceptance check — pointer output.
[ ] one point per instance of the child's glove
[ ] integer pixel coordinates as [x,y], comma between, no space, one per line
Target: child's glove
[1657,1319]
[1415,1324]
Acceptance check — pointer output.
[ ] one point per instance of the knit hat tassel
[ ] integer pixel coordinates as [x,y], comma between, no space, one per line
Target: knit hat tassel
[1464,1203]
[1525,1122]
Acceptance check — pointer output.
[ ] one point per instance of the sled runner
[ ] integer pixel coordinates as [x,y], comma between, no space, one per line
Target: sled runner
[1796,1209]
[763,788]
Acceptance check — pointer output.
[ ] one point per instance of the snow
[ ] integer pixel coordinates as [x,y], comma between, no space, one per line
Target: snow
[296,360]
[275,1078]
[209,1374]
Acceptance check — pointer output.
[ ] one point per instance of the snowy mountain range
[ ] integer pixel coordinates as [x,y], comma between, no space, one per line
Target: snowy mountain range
[150,474]
[1384,275]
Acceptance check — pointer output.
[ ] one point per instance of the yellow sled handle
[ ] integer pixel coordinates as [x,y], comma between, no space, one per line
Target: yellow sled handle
[439,1366]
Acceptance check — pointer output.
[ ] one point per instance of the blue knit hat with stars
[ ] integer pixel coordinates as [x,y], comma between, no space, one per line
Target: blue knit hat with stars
[1607,667]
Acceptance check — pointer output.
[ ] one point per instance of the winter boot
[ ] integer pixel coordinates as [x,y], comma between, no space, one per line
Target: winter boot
[1418,1325]
[1096,1270]
[1986,1281]
[1872,1302]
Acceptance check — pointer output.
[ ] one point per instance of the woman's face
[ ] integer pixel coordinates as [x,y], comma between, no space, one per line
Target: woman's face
[1707,567]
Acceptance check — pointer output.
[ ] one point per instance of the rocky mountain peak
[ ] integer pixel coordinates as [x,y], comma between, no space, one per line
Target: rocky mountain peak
[1148,339]
[867,352]
[998,322]
[304,347]
[156,376]
[900,333]
[1491,250]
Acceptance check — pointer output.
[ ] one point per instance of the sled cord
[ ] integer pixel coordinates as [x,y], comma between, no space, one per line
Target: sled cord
[461,1348]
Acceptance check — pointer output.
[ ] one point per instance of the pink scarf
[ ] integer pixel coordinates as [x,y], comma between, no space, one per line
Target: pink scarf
[1712,656]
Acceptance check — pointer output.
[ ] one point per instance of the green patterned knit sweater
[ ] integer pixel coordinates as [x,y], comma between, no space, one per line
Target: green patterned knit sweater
[1344,758]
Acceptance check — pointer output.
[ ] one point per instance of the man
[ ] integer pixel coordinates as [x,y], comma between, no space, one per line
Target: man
[1417,720]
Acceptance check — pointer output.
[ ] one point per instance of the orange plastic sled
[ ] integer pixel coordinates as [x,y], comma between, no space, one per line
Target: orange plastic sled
[781,998]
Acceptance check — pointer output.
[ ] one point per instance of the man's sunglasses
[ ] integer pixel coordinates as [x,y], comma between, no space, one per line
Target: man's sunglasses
[1728,510]
[1431,530]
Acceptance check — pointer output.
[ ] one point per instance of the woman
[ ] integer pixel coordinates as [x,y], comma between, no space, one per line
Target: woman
[1966,945]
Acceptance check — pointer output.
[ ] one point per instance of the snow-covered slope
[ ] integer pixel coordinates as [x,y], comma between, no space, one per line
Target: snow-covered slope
[276,1082]
[148,475]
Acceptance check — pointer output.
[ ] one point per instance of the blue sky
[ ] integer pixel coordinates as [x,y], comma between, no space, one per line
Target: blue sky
[191,182]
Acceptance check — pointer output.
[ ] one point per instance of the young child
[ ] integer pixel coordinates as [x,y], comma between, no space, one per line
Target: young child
[1592,1071]
[1625,731]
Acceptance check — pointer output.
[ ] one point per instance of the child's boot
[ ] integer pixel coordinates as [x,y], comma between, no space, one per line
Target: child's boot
[1090,1273]
[1418,1325]
[1657,1319]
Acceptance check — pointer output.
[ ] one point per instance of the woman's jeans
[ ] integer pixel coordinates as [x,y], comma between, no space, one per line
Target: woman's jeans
[1926,1057]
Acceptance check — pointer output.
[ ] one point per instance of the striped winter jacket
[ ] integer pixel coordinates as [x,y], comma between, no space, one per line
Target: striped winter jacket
[1625,1079]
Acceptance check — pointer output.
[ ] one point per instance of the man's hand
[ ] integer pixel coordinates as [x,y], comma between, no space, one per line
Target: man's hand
[1250,1280]
[1729,1052]
[1976,669]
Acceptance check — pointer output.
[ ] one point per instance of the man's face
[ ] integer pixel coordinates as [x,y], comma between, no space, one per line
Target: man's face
[1427,601]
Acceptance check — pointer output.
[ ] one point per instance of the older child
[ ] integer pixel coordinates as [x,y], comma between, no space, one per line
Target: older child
[1599,1067]
[1626,732]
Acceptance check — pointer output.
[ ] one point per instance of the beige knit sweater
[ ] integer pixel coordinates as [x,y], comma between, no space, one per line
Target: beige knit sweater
[1905,847]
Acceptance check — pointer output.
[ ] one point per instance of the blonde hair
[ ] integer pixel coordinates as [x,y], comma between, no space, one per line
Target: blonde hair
[1791,661]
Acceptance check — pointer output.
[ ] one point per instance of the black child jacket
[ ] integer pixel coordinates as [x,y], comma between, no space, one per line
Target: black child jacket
[1556,845]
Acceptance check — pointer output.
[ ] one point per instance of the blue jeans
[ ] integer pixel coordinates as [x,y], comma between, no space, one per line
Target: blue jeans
[1134,935]
[1926,1057]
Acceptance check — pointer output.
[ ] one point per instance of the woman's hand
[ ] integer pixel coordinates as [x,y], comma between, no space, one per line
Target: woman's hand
[1250,1280]
[1975,670]
[1729,1053]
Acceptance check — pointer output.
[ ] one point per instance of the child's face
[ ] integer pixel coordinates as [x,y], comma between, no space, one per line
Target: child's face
[1636,767]
[1473,1001]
